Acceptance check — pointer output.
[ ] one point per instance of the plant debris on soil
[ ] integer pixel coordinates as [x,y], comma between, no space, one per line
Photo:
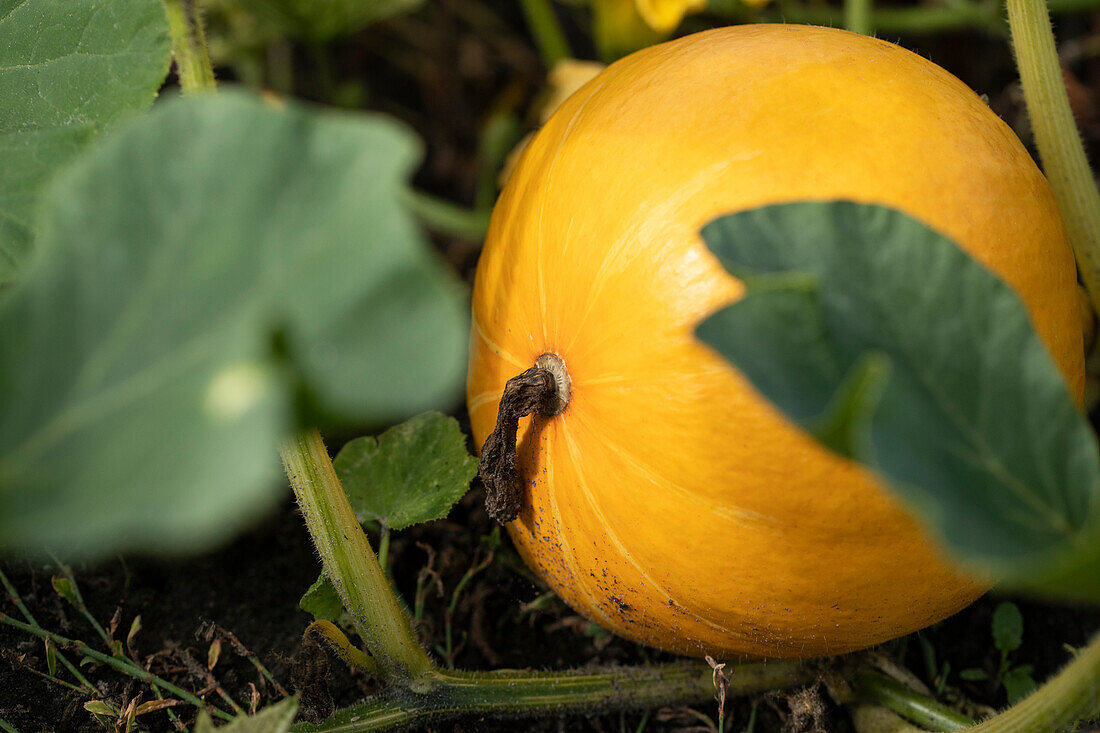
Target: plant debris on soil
[210,623]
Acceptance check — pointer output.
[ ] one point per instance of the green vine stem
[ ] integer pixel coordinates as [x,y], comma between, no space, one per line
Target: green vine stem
[1066,698]
[418,690]
[547,31]
[1056,135]
[196,73]
[352,656]
[1071,695]
[857,16]
[446,218]
[349,562]
[911,705]
[520,694]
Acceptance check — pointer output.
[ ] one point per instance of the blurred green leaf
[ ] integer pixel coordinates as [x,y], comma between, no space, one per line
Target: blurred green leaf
[276,718]
[891,345]
[320,20]
[321,600]
[69,70]
[412,473]
[1007,627]
[974,674]
[200,271]
[1018,683]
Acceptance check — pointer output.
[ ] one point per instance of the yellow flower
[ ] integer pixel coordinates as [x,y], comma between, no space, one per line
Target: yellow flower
[665,15]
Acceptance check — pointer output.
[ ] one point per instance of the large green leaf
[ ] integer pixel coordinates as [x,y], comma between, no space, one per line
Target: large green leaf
[198,271]
[414,472]
[891,345]
[69,69]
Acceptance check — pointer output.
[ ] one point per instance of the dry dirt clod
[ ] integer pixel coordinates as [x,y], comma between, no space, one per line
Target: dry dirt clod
[309,676]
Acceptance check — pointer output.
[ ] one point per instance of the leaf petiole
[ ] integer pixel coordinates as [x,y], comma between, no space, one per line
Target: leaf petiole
[196,73]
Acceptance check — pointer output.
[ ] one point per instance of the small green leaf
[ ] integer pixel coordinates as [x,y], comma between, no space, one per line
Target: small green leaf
[414,472]
[276,718]
[1018,683]
[322,601]
[69,71]
[98,707]
[199,273]
[64,588]
[891,345]
[974,674]
[1007,627]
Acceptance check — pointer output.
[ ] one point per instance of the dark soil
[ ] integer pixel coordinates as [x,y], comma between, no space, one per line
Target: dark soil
[445,70]
[251,588]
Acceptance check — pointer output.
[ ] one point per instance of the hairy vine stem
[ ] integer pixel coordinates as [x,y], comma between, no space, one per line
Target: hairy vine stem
[1056,135]
[349,561]
[193,67]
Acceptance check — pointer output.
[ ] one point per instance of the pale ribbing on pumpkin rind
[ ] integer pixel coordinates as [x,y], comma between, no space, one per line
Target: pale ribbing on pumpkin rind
[669,502]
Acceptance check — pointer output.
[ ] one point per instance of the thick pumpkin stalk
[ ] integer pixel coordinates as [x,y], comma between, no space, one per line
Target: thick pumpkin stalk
[348,560]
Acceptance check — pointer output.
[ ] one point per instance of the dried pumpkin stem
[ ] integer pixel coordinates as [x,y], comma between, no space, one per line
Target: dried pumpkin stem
[542,389]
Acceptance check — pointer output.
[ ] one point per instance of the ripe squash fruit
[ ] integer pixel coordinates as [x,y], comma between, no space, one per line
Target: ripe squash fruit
[669,502]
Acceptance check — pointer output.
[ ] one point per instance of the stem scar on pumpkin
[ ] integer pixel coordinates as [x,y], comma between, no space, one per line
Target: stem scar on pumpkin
[545,389]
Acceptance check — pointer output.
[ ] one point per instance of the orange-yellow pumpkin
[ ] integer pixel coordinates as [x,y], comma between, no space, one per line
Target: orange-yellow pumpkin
[669,502]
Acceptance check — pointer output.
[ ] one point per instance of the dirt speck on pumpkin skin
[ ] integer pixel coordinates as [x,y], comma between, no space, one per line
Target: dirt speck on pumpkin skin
[622,605]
